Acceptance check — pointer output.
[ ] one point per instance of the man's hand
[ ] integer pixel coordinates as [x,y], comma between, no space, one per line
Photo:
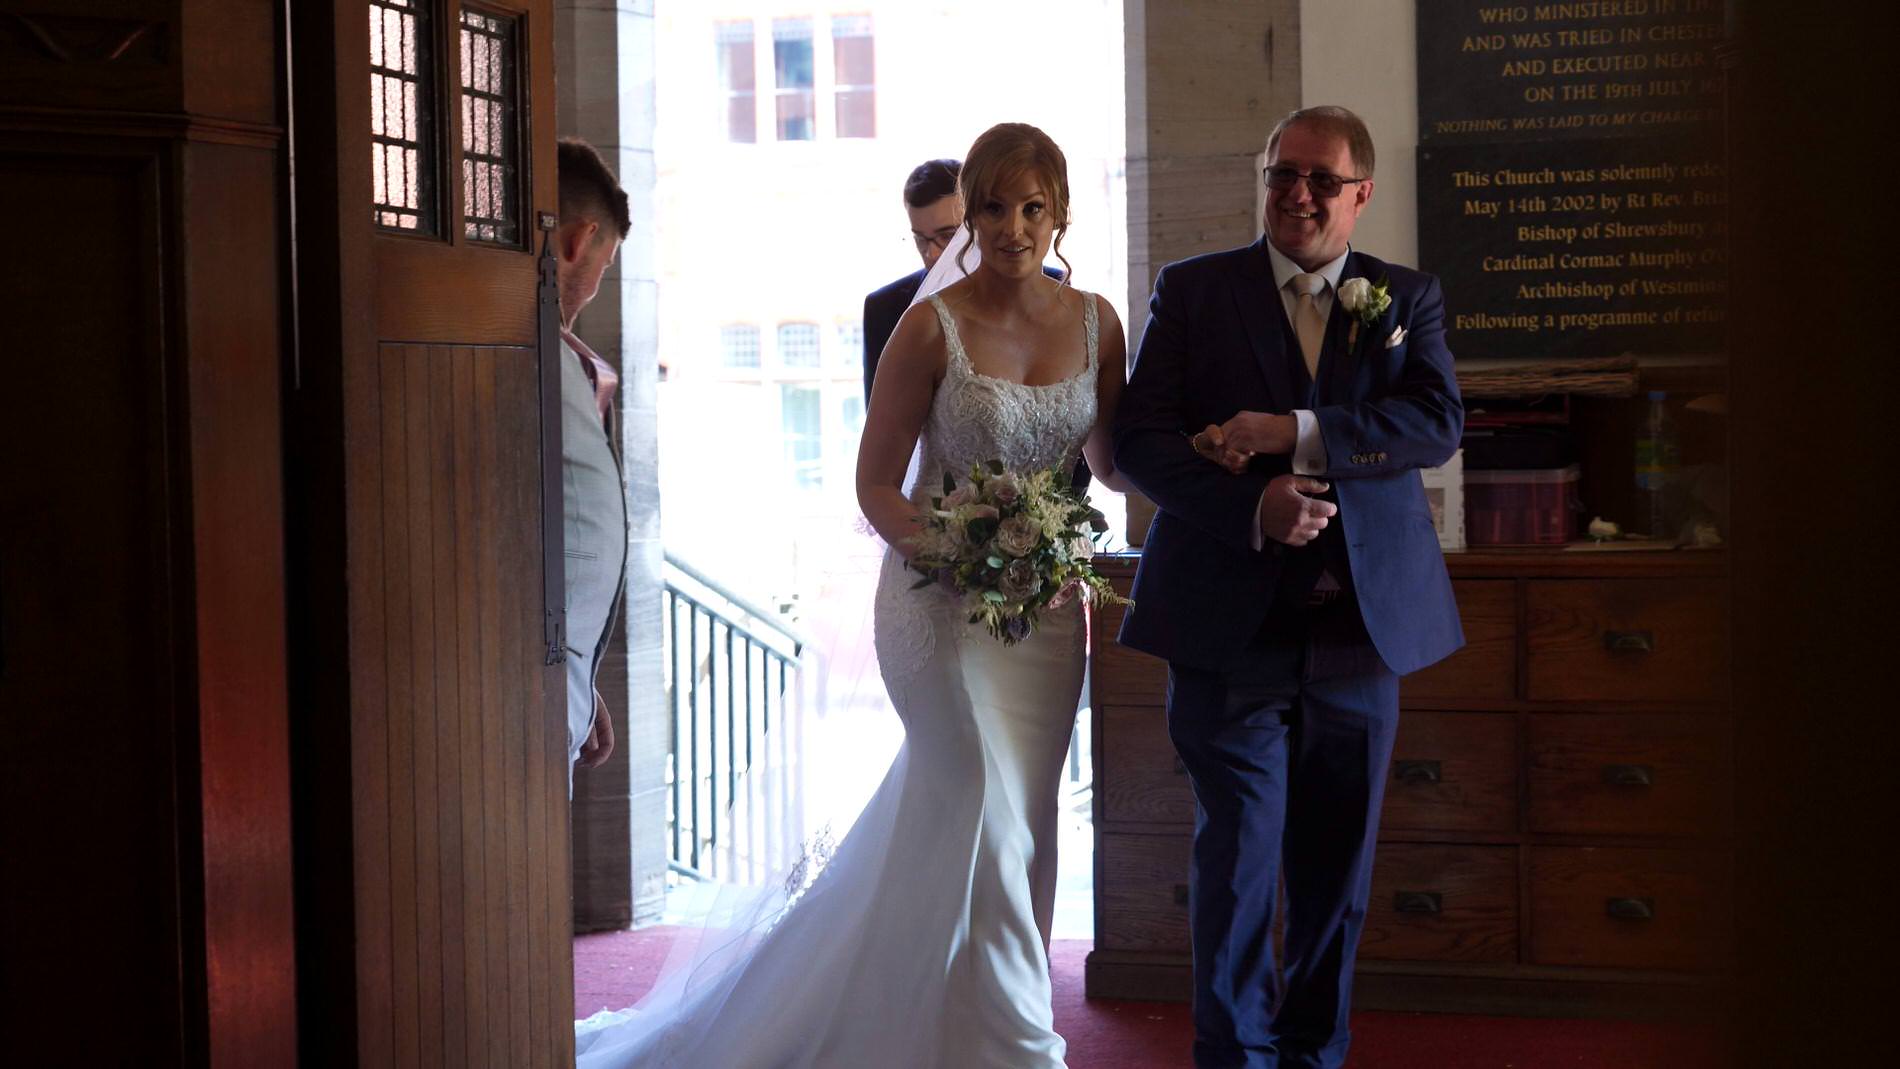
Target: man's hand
[600,738]
[1261,432]
[1288,515]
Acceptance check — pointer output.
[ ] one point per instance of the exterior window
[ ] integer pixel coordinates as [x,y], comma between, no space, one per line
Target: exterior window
[402,114]
[798,345]
[851,408]
[800,409]
[739,346]
[792,64]
[737,80]
[854,75]
[491,143]
[850,351]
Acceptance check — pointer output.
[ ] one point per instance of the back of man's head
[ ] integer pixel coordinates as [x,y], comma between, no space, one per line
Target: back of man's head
[931,181]
[589,190]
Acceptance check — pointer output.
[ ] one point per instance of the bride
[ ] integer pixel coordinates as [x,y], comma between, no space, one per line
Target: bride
[924,941]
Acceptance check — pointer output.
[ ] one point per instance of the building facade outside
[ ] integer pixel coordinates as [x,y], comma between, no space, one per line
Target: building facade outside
[783,137]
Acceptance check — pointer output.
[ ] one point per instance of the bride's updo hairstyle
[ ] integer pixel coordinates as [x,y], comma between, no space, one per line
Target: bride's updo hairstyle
[1003,152]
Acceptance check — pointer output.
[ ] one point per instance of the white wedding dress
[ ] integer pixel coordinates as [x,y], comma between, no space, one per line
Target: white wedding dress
[923,943]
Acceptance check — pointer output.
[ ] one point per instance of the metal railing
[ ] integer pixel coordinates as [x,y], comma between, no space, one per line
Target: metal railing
[727,659]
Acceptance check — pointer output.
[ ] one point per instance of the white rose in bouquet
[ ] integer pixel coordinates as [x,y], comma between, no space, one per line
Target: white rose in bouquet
[1018,536]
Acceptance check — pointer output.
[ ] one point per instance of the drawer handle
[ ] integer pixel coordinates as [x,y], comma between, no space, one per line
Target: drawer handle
[1631,909]
[1418,902]
[1417,772]
[1181,895]
[1630,641]
[1629,775]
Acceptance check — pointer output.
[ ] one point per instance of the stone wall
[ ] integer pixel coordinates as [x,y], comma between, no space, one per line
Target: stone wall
[604,62]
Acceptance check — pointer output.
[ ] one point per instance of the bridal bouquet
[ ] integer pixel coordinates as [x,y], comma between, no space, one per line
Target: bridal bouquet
[1011,545]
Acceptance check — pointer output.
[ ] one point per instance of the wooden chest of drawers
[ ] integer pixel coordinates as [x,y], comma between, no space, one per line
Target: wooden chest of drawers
[1554,831]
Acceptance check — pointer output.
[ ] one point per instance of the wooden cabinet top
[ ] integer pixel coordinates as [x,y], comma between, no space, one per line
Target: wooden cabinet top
[1554,562]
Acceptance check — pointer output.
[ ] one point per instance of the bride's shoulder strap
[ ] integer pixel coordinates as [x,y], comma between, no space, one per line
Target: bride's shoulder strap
[1092,321]
[952,343]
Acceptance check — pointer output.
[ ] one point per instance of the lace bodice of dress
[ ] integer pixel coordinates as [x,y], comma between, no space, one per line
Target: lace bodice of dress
[975,418]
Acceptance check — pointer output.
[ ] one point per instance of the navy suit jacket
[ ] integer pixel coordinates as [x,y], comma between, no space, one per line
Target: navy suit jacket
[882,309]
[1218,342]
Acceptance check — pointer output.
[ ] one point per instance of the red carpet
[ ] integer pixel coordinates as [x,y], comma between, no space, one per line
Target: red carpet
[614,968]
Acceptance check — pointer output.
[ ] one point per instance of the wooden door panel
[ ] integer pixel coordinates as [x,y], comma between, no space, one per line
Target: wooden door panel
[468,808]
[420,424]
[440,294]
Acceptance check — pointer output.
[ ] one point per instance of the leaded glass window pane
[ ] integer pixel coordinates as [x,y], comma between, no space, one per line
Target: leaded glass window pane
[491,140]
[402,115]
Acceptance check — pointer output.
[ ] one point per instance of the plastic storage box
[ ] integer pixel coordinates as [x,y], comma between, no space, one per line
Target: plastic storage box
[1521,508]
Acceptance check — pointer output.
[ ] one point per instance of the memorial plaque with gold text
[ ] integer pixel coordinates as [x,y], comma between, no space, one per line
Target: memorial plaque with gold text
[1572,190]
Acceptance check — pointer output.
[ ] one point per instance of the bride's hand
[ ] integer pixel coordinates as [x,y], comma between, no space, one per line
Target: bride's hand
[1214,444]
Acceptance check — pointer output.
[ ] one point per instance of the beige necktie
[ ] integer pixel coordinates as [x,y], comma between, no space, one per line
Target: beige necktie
[1307,322]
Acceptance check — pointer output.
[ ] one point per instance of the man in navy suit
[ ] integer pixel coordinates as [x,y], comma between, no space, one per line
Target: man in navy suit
[930,199]
[1290,576]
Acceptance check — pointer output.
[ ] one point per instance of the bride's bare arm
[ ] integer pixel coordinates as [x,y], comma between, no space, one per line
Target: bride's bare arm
[908,372]
[1100,446]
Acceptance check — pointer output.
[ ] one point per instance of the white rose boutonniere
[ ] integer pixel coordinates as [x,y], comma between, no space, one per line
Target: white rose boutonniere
[1365,301]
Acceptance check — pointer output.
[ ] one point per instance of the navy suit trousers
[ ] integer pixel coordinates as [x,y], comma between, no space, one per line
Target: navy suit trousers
[1287,752]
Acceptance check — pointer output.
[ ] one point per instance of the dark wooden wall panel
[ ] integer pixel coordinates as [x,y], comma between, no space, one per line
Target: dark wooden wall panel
[143,694]
[461,762]
[237,550]
[91,709]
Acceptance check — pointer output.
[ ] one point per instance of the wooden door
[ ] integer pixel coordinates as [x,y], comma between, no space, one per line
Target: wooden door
[433,901]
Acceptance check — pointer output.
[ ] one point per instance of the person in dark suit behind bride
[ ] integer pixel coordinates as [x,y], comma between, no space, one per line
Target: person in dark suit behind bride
[1282,401]
[935,210]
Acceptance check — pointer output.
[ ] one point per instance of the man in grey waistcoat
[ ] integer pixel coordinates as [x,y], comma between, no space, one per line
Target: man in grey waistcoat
[594,221]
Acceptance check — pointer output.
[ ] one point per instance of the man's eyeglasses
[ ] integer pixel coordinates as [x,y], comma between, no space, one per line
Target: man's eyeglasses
[1324,185]
[939,241]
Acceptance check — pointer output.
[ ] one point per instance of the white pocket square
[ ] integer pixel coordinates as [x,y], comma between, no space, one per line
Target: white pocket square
[1396,338]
